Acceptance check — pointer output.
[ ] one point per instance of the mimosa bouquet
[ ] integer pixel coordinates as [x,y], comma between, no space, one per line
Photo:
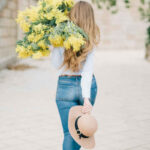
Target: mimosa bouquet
[48,24]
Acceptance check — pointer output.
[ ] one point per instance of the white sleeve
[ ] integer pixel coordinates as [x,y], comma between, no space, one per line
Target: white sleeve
[56,56]
[87,74]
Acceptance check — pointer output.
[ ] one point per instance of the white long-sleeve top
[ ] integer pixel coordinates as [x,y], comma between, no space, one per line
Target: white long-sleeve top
[86,72]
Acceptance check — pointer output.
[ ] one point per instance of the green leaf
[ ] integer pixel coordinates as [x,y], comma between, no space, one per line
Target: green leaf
[52,22]
[126,1]
[34,46]
[68,8]
[114,11]
[99,6]
[47,42]
[49,9]
[141,9]
[148,31]
[142,1]
[44,4]
[19,42]
[62,7]
[127,6]
[113,3]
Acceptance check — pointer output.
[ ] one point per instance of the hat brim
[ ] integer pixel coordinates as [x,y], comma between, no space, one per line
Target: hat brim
[74,112]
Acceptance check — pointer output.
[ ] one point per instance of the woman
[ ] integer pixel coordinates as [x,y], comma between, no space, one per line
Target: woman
[76,83]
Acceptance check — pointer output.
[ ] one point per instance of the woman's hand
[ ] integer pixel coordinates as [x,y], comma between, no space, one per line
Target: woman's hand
[87,106]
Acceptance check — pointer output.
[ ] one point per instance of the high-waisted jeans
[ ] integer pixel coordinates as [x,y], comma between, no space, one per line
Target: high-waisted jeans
[69,94]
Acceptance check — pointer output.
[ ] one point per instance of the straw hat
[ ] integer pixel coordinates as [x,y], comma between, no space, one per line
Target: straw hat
[82,127]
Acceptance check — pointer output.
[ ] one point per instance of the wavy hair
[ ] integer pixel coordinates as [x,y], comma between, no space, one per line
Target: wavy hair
[82,14]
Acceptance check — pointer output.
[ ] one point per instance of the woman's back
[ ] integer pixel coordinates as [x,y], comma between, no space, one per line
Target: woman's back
[57,58]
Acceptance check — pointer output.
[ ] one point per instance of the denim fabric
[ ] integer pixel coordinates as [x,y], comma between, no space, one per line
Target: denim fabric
[69,94]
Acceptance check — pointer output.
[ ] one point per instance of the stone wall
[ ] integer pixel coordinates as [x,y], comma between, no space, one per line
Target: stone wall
[8,33]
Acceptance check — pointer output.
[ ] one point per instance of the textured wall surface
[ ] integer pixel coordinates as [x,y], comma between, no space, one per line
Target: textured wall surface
[8,33]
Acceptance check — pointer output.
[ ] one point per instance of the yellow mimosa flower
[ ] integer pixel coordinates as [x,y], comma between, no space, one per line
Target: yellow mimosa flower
[38,28]
[50,15]
[75,42]
[31,37]
[23,52]
[45,53]
[32,13]
[25,26]
[60,17]
[20,17]
[37,55]
[38,36]
[49,2]
[69,2]
[42,44]
[56,41]
[67,44]
[18,48]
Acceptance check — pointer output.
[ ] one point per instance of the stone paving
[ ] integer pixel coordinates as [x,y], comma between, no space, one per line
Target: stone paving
[29,118]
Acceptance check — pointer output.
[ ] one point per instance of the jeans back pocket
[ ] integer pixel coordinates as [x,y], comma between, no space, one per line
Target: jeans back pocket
[66,90]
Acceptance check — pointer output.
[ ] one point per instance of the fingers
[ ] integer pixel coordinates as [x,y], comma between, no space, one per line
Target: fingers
[86,109]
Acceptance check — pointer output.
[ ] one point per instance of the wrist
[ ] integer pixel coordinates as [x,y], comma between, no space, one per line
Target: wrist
[86,98]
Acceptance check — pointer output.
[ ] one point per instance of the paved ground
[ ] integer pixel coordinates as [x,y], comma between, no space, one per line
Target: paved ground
[28,115]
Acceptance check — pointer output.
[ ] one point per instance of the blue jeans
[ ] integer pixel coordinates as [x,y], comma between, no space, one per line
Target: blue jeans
[69,94]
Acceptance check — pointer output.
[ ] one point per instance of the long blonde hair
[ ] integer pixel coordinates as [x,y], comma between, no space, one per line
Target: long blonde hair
[82,14]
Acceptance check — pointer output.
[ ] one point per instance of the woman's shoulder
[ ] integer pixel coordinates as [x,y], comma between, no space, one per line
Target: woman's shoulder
[56,50]
[95,47]
[62,49]
[92,51]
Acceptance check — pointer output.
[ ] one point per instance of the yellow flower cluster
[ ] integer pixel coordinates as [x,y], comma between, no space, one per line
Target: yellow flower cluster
[32,13]
[60,17]
[56,41]
[70,3]
[38,28]
[74,42]
[33,37]
[23,52]
[53,3]
[27,16]
[23,23]
[27,52]
[40,54]
[48,24]
[56,3]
